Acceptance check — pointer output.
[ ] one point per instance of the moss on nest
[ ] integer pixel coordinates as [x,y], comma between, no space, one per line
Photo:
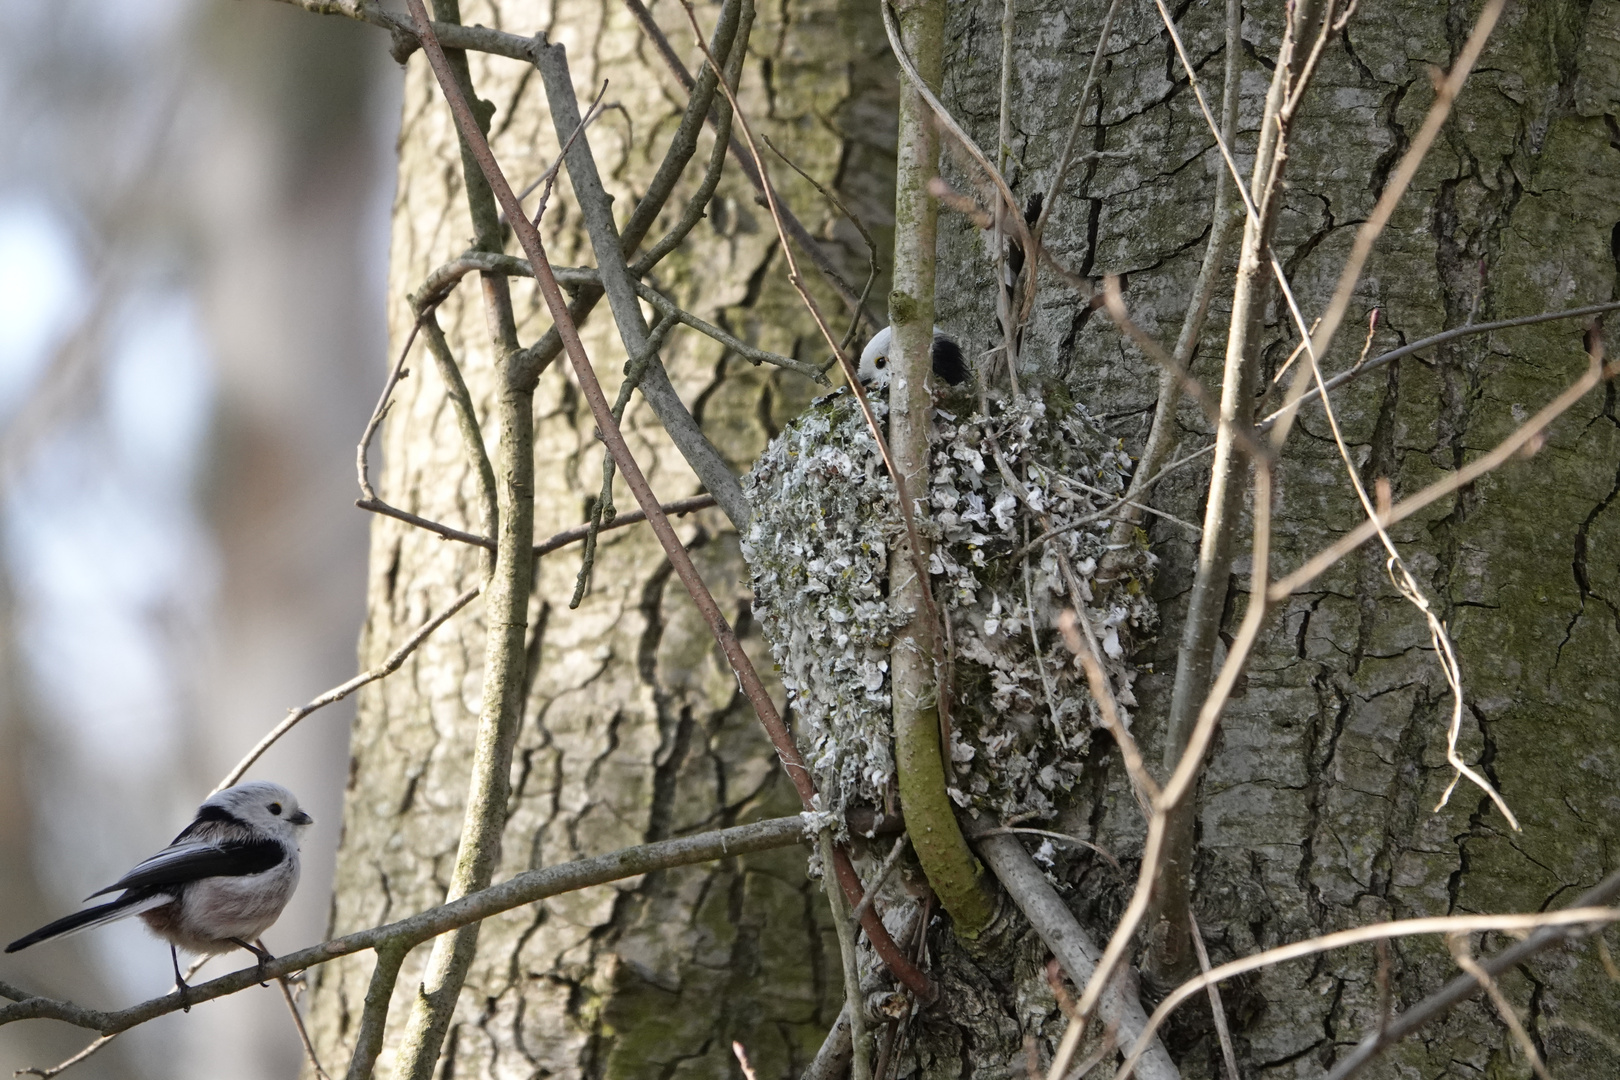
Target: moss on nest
[818,549]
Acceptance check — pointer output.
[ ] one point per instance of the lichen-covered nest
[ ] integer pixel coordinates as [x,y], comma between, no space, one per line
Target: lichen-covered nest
[818,548]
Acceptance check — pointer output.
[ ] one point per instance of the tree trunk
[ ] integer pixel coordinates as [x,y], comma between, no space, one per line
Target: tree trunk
[635,729]
[1317,810]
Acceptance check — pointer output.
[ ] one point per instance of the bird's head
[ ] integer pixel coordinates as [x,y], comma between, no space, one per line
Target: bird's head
[261,804]
[946,360]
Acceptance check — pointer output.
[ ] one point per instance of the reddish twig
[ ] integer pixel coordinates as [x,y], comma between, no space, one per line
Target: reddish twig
[534,247]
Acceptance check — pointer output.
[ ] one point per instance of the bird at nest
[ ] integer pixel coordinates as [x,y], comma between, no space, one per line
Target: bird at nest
[948,362]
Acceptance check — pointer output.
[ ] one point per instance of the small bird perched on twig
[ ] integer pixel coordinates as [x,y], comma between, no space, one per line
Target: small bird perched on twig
[217,887]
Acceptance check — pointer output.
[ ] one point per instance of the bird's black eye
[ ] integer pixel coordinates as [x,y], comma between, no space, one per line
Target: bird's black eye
[275,808]
[882,361]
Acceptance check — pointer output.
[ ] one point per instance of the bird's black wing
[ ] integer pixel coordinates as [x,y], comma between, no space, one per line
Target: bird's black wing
[948,362]
[180,863]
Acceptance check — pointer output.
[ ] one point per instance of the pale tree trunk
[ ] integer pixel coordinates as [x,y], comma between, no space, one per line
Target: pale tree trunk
[1317,811]
[634,729]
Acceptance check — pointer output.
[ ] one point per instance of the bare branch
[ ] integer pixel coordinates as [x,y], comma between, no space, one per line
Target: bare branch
[949,123]
[62,1066]
[789,224]
[394,376]
[1506,449]
[1458,943]
[1069,942]
[343,690]
[1399,180]
[1465,986]
[597,210]
[1363,367]
[1216,1007]
[298,1022]
[1568,920]
[445,277]
[568,334]
[515,892]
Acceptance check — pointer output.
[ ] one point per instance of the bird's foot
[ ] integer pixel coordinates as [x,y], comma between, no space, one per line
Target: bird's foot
[264,955]
[184,990]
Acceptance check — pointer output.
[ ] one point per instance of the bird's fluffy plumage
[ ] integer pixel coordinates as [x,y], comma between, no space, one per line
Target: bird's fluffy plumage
[946,359]
[221,882]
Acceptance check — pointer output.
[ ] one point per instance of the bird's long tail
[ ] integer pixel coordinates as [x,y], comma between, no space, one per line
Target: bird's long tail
[122,908]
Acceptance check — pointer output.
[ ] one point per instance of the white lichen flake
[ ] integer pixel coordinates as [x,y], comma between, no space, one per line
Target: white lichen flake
[818,548]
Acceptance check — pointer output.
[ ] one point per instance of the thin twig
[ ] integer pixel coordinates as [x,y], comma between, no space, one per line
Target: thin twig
[1142,783]
[872,887]
[1568,919]
[398,372]
[844,930]
[545,547]
[1505,450]
[1054,190]
[1362,368]
[1069,942]
[1216,1008]
[873,266]
[63,1066]
[1445,93]
[1458,943]
[1465,986]
[748,159]
[949,123]
[443,278]
[1020,830]
[1409,588]
[298,1022]
[343,690]
[748,677]
[596,208]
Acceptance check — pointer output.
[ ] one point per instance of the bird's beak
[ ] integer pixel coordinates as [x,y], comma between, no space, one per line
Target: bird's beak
[301,818]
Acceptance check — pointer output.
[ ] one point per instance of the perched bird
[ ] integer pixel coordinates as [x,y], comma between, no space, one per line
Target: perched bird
[218,886]
[946,355]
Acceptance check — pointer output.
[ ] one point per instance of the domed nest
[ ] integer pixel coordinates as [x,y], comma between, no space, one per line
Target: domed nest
[818,548]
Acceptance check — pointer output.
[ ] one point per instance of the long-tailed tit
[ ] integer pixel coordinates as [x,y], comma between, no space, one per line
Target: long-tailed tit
[217,887]
[945,356]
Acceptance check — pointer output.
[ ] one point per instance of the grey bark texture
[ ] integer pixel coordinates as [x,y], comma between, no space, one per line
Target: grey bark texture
[634,728]
[1317,810]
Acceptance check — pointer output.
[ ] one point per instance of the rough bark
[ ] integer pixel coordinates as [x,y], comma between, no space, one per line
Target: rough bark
[1316,813]
[634,728]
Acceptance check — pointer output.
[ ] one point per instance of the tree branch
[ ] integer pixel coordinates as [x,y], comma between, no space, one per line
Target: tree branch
[1073,947]
[525,888]
[918,673]
[529,237]
[597,210]
[1465,986]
